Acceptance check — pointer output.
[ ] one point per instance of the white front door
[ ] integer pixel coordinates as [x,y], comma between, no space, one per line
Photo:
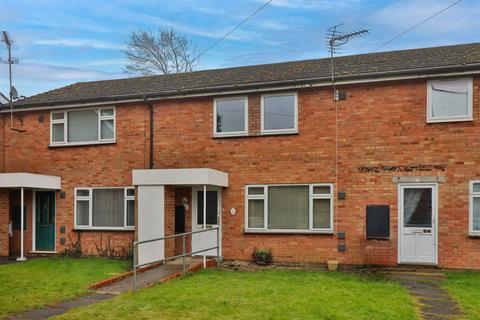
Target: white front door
[214,204]
[417,208]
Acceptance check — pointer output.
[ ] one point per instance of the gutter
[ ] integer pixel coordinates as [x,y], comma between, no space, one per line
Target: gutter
[255,87]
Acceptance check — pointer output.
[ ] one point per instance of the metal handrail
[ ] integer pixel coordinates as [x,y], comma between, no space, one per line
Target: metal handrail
[183,255]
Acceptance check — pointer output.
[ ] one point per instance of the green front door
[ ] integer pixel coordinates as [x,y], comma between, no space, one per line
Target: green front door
[45,221]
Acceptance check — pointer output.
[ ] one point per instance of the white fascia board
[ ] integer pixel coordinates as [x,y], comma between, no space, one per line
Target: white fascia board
[29,180]
[196,176]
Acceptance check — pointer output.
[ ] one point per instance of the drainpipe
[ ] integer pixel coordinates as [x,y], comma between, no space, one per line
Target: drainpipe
[150,111]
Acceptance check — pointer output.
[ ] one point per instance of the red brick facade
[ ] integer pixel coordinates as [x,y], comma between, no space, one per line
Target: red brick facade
[380,124]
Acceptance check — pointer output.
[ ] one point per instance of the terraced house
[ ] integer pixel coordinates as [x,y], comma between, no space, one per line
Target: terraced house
[386,173]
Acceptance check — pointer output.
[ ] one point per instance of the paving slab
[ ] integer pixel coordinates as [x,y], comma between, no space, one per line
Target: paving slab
[434,302]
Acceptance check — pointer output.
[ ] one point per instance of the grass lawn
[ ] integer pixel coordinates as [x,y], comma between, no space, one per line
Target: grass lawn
[40,282]
[465,288]
[270,294]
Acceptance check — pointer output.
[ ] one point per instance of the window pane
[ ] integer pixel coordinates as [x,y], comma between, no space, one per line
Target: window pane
[476,187]
[82,126]
[288,207]
[58,130]
[130,213]
[321,190]
[450,98]
[106,112]
[417,207]
[476,214]
[212,207]
[58,116]
[108,207]
[321,213]
[107,129]
[130,192]
[256,213]
[83,193]
[256,190]
[82,213]
[230,115]
[279,112]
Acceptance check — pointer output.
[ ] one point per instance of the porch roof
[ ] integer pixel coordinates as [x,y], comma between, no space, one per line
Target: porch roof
[29,180]
[192,176]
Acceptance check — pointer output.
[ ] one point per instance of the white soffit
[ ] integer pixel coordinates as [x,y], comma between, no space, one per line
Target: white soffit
[164,177]
[29,180]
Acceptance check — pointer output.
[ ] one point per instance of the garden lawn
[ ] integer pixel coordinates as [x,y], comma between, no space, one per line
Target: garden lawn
[270,294]
[465,289]
[39,282]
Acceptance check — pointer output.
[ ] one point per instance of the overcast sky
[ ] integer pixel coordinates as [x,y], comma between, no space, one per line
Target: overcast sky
[61,42]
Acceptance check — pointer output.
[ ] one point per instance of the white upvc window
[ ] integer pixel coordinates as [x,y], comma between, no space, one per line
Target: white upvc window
[104,208]
[279,113]
[289,208]
[82,126]
[450,100]
[230,116]
[474,219]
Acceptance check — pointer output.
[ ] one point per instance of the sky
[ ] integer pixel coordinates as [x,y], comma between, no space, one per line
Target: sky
[61,42]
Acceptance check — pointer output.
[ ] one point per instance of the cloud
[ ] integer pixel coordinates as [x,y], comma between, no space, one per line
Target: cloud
[312,4]
[48,72]
[400,16]
[70,42]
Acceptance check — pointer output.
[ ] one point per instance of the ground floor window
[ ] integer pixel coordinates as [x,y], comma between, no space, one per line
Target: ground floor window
[289,207]
[104,208]
[475,207]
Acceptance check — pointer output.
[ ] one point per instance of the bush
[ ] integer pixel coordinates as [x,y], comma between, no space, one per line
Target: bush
[262,257]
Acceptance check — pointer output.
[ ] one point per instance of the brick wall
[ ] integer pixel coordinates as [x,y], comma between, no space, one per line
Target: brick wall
[88,166]
[382,124]
[4,221]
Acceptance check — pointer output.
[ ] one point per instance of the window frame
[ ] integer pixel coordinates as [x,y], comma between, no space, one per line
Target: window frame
[311,197]
[471,196]
[89,198]
[468,117]
[264,131]
[232,133]
[100,118]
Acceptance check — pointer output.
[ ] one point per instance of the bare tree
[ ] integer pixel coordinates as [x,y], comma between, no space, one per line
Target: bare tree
[162,53]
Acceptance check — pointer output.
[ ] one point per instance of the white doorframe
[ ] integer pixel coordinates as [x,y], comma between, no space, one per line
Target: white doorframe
[195,190]
[434,187]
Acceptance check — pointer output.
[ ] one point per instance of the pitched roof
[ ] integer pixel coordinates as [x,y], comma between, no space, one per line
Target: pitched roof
[3,99]
[362,66]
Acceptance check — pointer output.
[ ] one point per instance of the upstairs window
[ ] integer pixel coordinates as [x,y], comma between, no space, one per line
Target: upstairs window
[230,116]
[450,100]
[105,208]
[279,113]
[86,126]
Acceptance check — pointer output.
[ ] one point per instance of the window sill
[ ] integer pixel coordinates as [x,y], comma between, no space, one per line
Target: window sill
[80,144]
[306,232]
[279,132]
[105,229]
[446,120]
[474,235]
[231,135]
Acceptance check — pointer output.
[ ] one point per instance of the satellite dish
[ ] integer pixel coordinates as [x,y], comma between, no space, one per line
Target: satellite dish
[14,93]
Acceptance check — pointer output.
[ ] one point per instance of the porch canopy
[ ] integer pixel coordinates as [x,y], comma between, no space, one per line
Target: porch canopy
[29,180]
[151,203]
[22,180]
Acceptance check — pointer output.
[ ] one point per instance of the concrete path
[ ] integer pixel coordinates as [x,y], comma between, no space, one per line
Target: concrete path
[144,279]
[434,303]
